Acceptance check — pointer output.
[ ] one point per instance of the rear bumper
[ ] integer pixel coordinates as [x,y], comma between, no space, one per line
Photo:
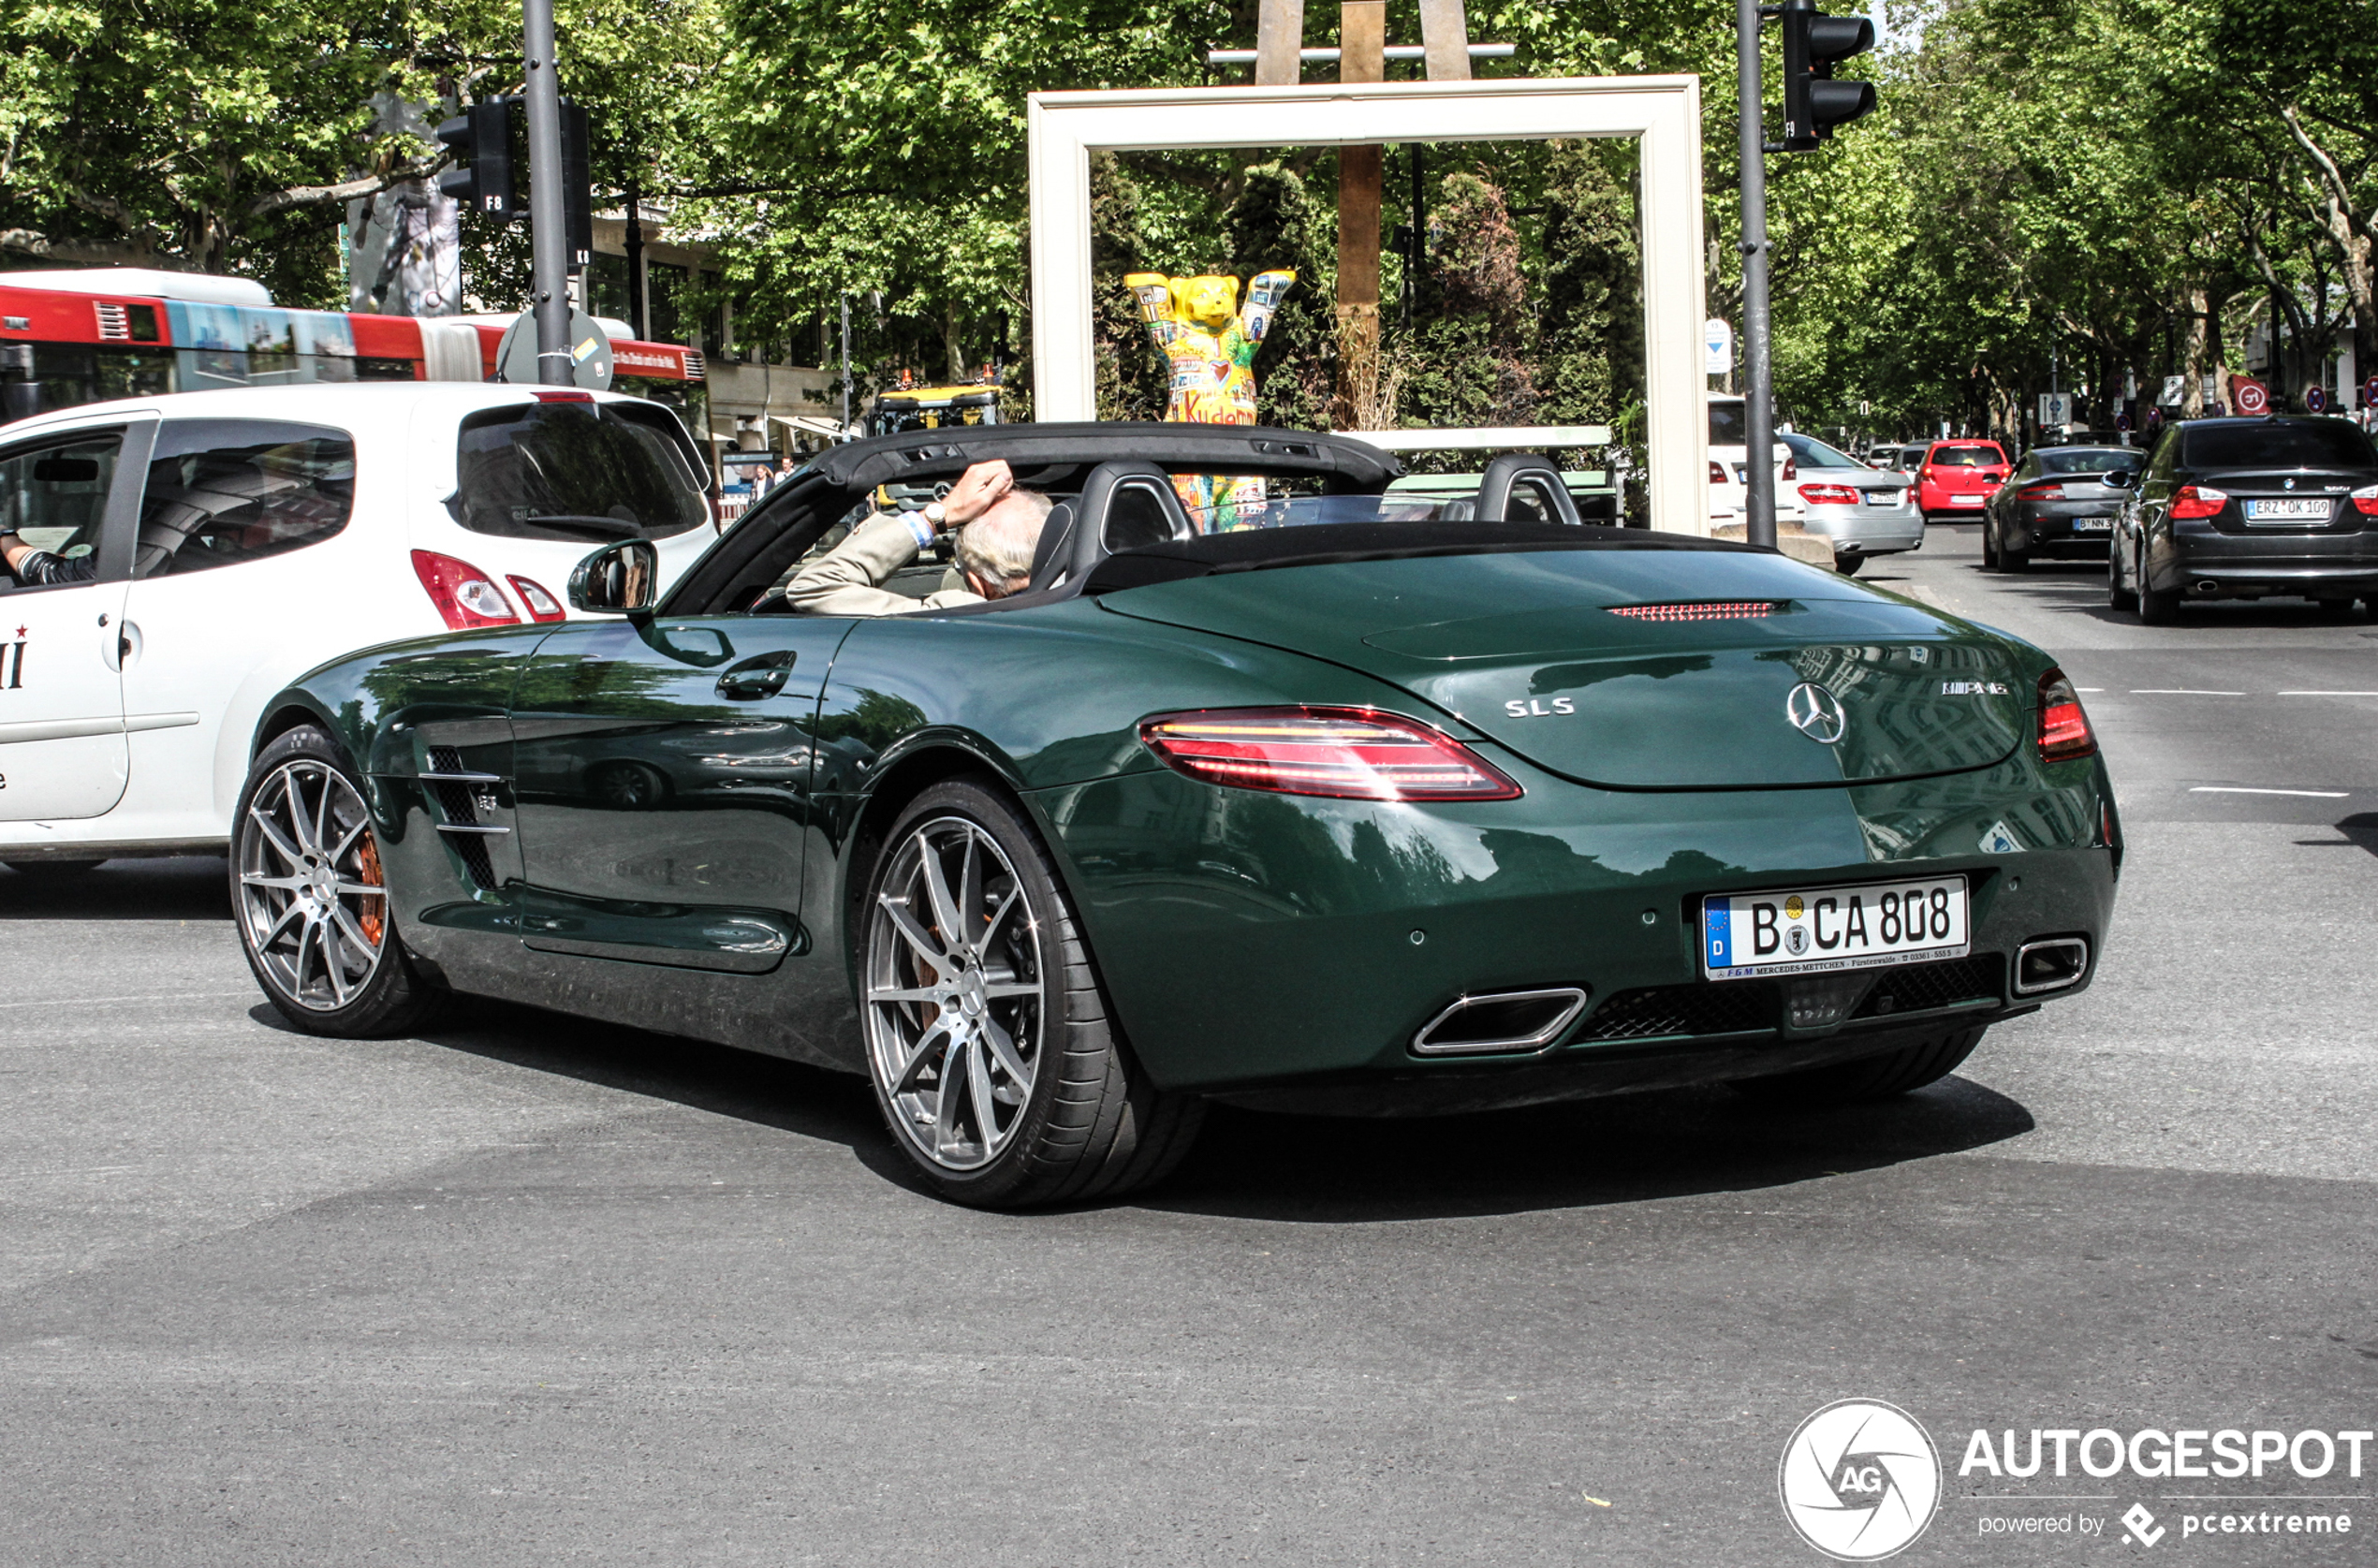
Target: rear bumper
[2054,530]
[1278,951]
[2211,562]
[1856,531]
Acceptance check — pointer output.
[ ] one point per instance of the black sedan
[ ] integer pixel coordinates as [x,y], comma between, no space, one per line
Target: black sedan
[2058,503]
[2241,508]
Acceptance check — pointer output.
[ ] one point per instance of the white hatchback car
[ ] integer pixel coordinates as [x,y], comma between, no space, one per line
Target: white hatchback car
[1730,467]
[201,551]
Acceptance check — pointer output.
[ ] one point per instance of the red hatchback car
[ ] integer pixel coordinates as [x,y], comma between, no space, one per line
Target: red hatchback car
[1958,477]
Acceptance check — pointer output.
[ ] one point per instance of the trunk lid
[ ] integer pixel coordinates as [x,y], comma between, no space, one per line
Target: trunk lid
[1564,657]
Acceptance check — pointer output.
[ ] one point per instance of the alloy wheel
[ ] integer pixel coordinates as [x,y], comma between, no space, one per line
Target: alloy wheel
[953,982]
[313,902]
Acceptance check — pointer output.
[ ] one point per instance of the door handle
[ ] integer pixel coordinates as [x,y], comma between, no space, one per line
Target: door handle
[756,679]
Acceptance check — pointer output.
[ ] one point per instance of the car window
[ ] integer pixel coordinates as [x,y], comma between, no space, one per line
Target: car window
[1967,457]
[580,471]
[54,498]
[2315,444]
[222,491]
[1728,425]
[1813,453]
[2090,460]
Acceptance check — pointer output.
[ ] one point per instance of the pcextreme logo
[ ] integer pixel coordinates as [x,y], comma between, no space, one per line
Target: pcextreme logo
[1860,1480]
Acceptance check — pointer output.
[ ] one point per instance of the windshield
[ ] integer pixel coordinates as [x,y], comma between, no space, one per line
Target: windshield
[1967,457]
[1813,453]
[1727,425]
[575,471]
[2091,460]
[2318,444]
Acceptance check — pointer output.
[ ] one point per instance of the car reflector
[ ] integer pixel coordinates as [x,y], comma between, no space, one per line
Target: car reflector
[1703,610]
[464,594]
[2063,728]
[1347,752]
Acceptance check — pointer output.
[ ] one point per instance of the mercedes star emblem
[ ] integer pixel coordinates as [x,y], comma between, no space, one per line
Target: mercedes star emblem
[1815,712]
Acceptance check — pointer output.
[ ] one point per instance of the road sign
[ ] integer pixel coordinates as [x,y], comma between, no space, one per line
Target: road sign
[1717,345]
[2252,397]
[2315,398]
[2175,387]
[2154,420]
[2056,409]
[590,352]
[2122,421]
[2369,392]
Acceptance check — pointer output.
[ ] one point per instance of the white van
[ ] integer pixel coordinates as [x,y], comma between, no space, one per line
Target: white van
[197,552]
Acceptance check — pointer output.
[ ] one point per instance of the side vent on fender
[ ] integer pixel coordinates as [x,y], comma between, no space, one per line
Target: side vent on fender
[455,791]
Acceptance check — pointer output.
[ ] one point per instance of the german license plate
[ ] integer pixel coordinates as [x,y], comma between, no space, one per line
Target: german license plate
[2309,510]
[1969,500]
[2093,525]
[1810,929]
[1882,497]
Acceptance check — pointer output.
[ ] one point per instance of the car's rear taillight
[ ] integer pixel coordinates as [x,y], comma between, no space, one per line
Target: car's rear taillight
[1717,473]
[541,604]
[2198,501]
[1350,753]
[2063,728]
[2365,501]
[1828,495]
[1791,468]
[464,594]
[2051,491]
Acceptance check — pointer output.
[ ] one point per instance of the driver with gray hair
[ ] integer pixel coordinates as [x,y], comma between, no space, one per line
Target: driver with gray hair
[997,531]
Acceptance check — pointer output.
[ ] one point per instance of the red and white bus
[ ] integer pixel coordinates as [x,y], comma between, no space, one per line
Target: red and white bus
[77,337]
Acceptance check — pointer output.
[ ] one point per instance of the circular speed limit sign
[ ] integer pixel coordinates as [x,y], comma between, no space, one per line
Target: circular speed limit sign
[2252,397]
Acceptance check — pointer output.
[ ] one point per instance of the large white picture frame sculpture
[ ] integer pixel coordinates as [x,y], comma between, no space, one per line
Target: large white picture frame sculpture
[1661,112]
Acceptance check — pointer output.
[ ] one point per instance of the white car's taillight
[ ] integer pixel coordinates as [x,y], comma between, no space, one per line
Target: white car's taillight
[464,594]
[542,605]
[1350,753]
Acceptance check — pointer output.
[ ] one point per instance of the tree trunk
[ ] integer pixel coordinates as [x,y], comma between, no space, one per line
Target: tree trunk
[2192,355]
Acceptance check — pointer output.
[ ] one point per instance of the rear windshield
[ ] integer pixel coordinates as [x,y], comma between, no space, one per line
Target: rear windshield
[1727,425]
[575,471]
[1966,457]
[1813,453]
[2091,460]
[2317,443]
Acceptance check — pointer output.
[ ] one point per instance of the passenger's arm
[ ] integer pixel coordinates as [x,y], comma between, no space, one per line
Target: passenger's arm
[847,579]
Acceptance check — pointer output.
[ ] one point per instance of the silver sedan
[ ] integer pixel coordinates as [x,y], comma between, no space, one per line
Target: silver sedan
[1864,511]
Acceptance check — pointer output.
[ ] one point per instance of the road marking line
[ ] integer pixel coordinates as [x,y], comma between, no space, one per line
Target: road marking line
[2239,789]
[2176,691]
[2328,694]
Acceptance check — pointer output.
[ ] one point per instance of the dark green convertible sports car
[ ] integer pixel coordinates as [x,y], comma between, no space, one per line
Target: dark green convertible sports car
[1357,802]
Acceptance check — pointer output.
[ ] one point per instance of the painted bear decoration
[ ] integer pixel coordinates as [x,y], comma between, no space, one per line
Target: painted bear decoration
[1211,344]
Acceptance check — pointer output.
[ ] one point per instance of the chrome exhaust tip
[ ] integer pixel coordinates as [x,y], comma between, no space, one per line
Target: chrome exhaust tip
[2049,964]
[1500,1022]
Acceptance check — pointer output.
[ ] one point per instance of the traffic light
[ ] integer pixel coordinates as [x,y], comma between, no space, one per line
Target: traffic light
[577,204]
[1813,102]
[479,141]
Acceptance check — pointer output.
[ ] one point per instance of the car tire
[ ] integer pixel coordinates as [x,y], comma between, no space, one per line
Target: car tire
[1035,1042]
[304,854]
[1990,547]
[1873,1077]
[1847,564]
[2117,596]
[2333,609]
[2014,560]
[2154,609]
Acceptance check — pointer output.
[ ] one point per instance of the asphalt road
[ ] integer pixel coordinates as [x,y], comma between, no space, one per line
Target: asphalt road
[530,1291]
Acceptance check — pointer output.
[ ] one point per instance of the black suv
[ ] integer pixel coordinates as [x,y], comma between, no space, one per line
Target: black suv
[2239,508]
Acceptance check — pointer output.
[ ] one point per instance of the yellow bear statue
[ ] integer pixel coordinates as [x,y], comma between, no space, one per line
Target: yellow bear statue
[1211,344]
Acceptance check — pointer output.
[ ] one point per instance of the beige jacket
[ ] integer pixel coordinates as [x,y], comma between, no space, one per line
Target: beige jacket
[848,579]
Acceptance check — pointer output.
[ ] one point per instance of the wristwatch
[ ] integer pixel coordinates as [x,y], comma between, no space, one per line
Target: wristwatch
[937,514]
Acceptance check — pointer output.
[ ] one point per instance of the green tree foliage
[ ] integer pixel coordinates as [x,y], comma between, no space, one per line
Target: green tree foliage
[1469,359]
[1590,353]
[1273,223]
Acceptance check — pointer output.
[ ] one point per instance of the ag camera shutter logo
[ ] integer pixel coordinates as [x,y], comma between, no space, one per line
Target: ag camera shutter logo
[1860,1480]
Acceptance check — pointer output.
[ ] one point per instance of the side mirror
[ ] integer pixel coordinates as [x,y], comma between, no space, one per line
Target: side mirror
[618,580]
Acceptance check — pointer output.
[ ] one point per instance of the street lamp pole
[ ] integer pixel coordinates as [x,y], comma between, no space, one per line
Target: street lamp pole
[548,244]
[1758,390]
